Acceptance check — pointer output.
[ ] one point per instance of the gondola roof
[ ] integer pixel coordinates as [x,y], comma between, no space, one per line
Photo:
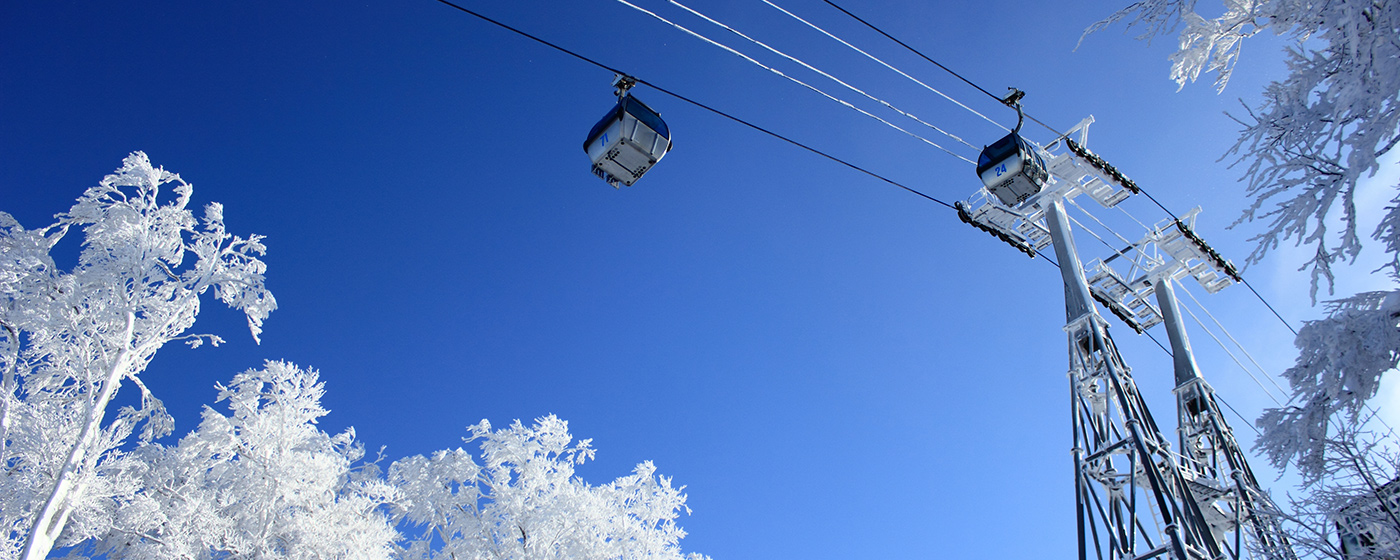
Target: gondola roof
[636,108]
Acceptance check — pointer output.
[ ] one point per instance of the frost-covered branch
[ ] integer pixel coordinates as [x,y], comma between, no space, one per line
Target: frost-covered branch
[1339,367]
[1349,513]
[260,482]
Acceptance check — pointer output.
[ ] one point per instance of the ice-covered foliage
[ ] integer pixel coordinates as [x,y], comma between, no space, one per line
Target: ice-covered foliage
[260,482]
[70,339]
[524,502]
[1318,131]
[1340,362]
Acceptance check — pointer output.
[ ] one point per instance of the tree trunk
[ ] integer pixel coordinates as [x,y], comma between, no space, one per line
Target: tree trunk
[54,516]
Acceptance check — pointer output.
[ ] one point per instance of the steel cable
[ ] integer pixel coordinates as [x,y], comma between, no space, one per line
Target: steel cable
[887,65]
[823,73]
[750,59]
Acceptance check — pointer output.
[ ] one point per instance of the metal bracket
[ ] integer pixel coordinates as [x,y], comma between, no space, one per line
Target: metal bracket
[621,83]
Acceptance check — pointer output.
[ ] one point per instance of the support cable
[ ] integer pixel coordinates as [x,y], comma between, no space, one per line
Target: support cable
[887,65]
[826,155]
[791,141]
[1243,280]
[1374,411]
[824,74]
[1128,245]
[532,37]
[1231,354]
[1285,322]
[1222,400]
[1120,208]
[822,154]
[1232,338]
[1096,219]
[1091,232]
[1058,134]
[794,80]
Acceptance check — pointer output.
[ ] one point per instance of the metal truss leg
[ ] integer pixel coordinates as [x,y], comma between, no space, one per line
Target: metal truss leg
[1235,506]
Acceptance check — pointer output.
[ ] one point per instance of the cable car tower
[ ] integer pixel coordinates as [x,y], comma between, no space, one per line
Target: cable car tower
[1135,497]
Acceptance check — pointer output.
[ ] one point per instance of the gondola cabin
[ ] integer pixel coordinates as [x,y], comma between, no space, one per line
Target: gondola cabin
[627,142]
[1011,169]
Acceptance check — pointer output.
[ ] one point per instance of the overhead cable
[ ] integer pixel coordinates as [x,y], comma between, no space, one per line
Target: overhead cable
[999,99]
[1229,353]
[814,69]
[1237,413]
[1120,208]
[791,141]
[1373,411]
[1096,219]
[769,132]
[1090,231]
[1232,338]
[794,80]
[887,65]
[1058,134]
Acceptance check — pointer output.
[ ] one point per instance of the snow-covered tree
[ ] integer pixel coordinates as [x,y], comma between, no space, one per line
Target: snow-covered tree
[262,482]
[524,502]
[1319,131]
[70,339]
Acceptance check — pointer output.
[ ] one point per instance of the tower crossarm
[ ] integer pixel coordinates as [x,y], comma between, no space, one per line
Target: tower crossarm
[1191,255]
[1020,230]
[1130,304]
[1071,174]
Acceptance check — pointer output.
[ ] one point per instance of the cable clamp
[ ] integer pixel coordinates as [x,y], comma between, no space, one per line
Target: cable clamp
[622,83]
[1013,98]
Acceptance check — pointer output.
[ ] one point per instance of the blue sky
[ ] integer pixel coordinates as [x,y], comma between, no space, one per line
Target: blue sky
[832,366]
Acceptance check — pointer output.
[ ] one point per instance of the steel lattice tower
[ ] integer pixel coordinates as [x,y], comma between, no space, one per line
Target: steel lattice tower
[1135,497]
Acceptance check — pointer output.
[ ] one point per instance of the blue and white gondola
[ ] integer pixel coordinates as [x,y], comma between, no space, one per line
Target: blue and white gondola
[627,142]
[1012,170]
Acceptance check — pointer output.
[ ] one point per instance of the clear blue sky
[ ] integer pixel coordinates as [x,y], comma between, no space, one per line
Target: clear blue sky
[835,368]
